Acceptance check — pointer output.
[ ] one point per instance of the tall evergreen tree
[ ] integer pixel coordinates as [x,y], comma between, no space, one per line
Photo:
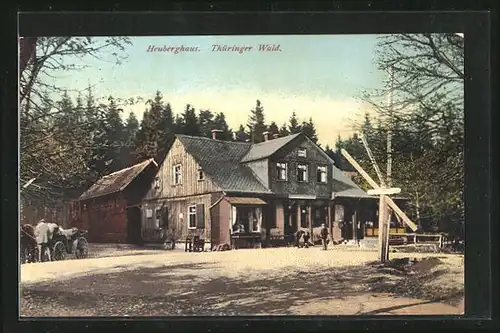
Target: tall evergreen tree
[273,129]
[309,130]
[94,117]
[156,128]
[294,126]
[131,126]
[241,134]
[284,130]
[206,122]
[131,129]
[256,123]
[220,123]
[190,124]
[114,136]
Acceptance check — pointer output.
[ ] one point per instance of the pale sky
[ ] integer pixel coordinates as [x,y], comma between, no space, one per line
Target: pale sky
[318,76]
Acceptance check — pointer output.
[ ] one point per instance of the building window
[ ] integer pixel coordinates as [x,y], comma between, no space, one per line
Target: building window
[321,174]
[177,174]
[246,219]
[302,173]
[157,182]
[282,171]
[201,174]
[149,213]
[302,152]
[192,217]
[157,218]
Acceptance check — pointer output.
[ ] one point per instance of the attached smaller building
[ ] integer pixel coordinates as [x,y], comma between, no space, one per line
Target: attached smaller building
[109,208]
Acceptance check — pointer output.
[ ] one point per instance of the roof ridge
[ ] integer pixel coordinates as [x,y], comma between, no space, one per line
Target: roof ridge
[282,137]
[210,139]
[128,168]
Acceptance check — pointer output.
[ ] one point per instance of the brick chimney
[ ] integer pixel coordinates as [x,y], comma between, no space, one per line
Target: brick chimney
[214,133]
[266,136]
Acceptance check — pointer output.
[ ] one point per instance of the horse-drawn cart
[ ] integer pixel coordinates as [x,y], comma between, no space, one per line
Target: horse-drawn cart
[63,242]
[71,241]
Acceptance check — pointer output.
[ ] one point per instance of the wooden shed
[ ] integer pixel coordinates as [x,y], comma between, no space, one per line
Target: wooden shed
[109,208]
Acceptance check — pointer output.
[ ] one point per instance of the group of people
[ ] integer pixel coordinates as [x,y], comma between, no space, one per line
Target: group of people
[39,236]
[305,236]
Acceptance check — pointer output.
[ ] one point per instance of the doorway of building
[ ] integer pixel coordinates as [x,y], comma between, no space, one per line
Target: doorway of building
[134,226]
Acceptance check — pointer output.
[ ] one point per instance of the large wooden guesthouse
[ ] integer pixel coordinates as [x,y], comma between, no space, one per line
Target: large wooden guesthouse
[244,194]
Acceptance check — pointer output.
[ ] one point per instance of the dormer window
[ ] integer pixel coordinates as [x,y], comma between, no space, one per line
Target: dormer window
[282,170]
[201,174]
[302,173]
[302,152]
[177,174]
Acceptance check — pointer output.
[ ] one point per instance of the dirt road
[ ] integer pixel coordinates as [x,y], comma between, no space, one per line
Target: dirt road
[243,282]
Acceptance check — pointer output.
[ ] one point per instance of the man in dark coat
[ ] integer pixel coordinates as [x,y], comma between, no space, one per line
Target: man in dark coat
[324,236]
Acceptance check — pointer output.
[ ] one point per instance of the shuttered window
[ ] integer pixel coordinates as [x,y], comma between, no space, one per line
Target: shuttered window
[200,216]
[192,217]
[196,216]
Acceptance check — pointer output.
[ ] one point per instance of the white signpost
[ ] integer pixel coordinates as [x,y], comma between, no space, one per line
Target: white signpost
[384,191]
[384,203]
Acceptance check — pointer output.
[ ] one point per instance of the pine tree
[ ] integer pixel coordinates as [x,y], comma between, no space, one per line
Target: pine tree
[131,129]
[256,123]
[131,126]
[94,118]
[273,129]
[335,157]
[309,130]
[114,136]
[152,139]
[241,134]
[190,124]
[220,123]
[206,122]
[294,127]
[284,130]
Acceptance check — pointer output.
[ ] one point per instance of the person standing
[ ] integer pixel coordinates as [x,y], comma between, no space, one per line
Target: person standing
[324,236]
[298,236]
[306,237]
[43,237]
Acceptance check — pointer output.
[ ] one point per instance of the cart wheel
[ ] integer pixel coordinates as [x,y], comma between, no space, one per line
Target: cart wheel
[59,252]
[82,248]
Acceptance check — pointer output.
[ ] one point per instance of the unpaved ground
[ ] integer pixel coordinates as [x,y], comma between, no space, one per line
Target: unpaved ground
[243,282]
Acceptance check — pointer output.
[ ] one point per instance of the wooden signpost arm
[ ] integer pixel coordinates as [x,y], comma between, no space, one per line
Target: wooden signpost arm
[360,169]
[401,214]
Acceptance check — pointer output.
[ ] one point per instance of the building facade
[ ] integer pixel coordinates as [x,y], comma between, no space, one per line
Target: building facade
[248,194]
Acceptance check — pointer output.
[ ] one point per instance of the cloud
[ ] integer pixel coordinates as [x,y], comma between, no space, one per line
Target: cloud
[332,116]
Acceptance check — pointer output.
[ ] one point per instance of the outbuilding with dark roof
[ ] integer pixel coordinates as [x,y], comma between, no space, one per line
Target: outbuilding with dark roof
[109,208]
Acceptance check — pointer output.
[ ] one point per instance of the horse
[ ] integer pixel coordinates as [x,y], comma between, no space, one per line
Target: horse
[28,246]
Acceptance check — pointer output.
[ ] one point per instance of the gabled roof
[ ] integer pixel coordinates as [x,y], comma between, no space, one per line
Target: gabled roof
[116,181]
[221,161]
[267,148]
[224,161]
